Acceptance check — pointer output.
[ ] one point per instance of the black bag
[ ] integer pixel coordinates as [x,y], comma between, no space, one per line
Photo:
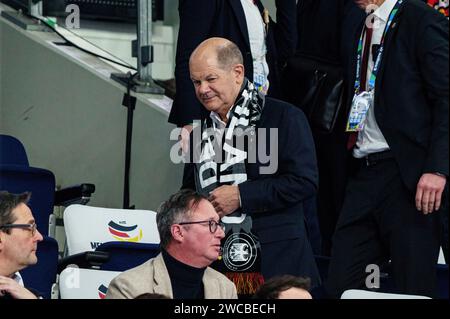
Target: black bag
[316,86]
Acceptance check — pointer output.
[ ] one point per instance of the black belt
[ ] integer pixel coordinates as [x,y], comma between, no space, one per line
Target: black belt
[374,158]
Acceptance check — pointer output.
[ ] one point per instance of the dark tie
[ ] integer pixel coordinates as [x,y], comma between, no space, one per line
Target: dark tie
[365,61]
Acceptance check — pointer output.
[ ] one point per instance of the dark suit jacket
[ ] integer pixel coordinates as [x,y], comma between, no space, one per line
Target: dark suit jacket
[202,19]
[319,24]
[412,88]
[275,201]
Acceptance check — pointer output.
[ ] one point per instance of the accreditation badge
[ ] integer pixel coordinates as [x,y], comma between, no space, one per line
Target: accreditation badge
[358,112]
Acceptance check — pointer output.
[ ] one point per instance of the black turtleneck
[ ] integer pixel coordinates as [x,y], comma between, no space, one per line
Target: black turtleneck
[186,280]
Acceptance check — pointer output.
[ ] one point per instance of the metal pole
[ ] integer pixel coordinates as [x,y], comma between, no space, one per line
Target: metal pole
[144,38]
[143,82]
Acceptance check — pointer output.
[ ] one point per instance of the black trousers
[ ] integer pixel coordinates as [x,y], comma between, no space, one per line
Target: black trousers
[378,222]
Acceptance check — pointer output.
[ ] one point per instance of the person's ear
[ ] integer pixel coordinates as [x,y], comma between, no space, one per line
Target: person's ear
[177,232]
[239,73]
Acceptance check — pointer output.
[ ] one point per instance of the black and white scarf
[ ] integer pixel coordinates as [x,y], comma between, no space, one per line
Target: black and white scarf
[230,168]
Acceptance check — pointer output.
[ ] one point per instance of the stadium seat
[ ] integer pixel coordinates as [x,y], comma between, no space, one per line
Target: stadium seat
[40,182]
[87,228]
[78,283]
[42,275]
[364,294]
[12,151]
[124,255]
[16,176]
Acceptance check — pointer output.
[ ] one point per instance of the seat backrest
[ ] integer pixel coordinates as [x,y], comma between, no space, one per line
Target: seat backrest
[364,294]
[79,283]
[40,182]
[125,255]
[42,275]
[88,227]
[12,151]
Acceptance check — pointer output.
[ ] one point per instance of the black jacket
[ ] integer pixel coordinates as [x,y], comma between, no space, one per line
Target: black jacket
[412,88]
[319,24]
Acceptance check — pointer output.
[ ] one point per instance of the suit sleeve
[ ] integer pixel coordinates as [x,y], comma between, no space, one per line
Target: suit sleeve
[297,176]
[433,48]
[188,176]
[196,21]
[115,292]
[286,29]
[189,167]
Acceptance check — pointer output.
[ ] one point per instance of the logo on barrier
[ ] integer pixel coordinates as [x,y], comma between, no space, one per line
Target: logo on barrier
[102,291]
[125,233]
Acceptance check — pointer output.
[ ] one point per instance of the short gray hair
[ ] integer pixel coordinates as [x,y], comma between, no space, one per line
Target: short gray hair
[229,55]
[8,202]
[176,209]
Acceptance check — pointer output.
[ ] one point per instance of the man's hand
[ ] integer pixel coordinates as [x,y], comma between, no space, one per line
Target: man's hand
[429,192]
[225,199]
[184,137]
[12,287]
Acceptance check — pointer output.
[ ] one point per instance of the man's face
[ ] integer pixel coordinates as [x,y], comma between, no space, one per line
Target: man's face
[215,88]
[203,245]
[19,246]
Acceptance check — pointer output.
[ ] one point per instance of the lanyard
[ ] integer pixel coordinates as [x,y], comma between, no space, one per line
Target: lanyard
[376,66]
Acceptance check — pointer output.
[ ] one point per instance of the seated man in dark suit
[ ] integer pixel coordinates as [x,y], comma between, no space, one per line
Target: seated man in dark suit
[268,189]
[18,244]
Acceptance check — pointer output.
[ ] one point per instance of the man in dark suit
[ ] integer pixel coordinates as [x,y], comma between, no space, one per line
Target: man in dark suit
[202,19]
[270,190]
[395,198]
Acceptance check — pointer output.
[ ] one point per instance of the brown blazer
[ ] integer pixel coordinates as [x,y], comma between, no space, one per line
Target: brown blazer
[153,277]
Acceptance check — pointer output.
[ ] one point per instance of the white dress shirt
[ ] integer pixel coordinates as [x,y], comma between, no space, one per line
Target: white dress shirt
[257,37]
[370,139]
[18,278]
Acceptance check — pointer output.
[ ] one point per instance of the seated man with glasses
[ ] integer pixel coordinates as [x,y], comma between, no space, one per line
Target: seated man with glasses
[18,243]
[190,233]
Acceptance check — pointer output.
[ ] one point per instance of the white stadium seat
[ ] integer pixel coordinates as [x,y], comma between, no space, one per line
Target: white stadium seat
[78,283]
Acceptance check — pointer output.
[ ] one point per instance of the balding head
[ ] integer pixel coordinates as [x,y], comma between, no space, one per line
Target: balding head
[217,72]
[226,52]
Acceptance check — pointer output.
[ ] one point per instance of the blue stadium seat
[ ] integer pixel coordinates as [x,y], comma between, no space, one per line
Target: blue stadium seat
[125,255]
[16,176]
[12,151]
[42,276]
[41,182]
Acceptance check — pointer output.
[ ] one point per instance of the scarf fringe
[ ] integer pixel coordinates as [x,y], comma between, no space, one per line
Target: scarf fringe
[247,283]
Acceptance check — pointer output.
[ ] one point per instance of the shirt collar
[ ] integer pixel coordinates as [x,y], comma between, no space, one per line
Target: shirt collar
[385,9]
[216,118]
[18,278]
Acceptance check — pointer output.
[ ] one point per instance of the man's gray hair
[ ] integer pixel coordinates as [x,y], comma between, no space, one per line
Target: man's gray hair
[178,208]
[229,55]
[8,202]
